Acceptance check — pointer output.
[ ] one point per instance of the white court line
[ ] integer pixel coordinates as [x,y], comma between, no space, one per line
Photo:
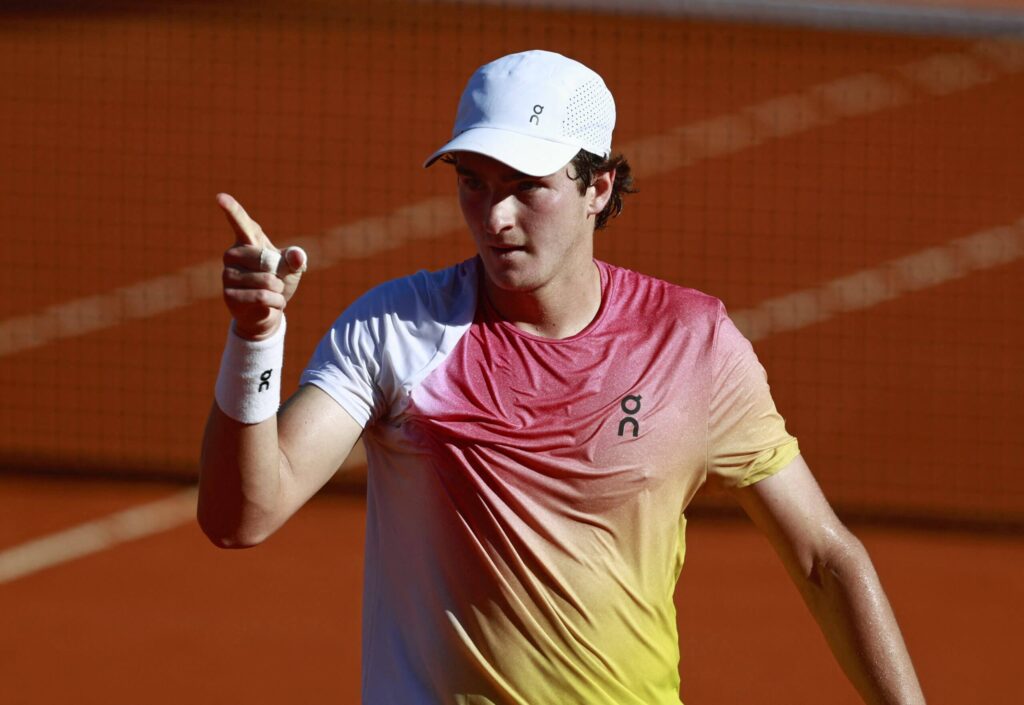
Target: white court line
[722,135]
[872,286]
[97,535]
[776,118]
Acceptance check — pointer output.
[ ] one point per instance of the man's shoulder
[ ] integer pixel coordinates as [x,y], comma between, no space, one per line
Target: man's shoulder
[648,295]
[443,296]
[395,332]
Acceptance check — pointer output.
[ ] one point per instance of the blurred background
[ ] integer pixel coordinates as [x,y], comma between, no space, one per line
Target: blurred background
[845,176]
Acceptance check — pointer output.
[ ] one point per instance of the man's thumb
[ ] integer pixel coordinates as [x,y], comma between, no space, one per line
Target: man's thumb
[296,259]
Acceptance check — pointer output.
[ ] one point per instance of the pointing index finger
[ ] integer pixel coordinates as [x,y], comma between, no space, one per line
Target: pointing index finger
[247,231]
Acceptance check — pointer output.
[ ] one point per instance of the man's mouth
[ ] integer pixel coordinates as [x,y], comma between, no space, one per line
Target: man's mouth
[507,249]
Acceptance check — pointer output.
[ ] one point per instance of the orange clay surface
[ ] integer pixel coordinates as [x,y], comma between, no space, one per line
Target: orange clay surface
[171,619]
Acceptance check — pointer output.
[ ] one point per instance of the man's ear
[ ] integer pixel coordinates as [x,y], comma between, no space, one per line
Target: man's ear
[600,191]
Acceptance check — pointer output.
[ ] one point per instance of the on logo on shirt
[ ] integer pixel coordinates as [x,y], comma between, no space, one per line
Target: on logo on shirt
[630,405]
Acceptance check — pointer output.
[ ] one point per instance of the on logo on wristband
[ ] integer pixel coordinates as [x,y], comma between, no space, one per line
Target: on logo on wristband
[265,380]
[248,390]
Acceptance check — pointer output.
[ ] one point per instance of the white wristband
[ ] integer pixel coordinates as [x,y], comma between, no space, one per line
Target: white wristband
[249,383]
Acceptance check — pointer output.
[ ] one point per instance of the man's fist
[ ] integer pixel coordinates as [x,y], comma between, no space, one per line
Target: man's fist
[259,279]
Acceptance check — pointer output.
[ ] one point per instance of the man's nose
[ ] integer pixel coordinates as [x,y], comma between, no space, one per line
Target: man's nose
[500,214]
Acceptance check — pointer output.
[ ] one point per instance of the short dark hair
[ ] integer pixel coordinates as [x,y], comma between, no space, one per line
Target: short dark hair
[589,166]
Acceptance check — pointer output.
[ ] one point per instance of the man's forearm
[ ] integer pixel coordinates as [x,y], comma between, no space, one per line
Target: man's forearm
[240,484]
[844,593]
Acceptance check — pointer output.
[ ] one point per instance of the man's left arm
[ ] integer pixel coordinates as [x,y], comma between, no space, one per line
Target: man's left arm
[838,582]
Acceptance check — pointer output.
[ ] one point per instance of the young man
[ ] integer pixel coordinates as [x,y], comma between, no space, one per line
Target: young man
[535,422]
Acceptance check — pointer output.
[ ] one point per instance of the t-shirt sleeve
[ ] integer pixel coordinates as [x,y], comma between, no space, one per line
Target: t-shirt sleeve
[747,438]
[346,364]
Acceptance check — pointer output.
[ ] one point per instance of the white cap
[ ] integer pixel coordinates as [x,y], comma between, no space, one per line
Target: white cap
[533,111]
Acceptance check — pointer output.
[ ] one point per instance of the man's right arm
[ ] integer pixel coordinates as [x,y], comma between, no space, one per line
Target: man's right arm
[257,467]
[253,477]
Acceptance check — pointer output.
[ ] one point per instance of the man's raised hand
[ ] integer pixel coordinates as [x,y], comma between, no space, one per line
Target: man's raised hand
[258,278]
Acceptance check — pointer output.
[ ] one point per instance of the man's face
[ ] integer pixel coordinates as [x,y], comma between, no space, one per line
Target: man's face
[528,230]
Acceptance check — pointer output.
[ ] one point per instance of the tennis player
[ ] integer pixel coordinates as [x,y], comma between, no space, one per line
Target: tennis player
[536,423]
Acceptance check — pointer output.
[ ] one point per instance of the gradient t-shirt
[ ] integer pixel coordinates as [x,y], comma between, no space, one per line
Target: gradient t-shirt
[525,495]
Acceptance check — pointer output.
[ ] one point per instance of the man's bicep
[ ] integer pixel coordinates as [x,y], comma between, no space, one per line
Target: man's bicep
[315,435]
[790,509]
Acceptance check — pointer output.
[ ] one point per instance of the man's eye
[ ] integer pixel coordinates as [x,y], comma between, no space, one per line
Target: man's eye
[528,185]
[470,183]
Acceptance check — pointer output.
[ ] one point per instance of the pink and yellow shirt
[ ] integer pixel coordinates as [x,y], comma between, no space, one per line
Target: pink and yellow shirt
[525,523]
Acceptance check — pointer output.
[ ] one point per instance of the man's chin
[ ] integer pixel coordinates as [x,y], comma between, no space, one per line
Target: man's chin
[511,281]
[508,273]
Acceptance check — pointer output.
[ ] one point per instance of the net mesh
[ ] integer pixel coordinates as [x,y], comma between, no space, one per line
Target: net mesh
[853,197]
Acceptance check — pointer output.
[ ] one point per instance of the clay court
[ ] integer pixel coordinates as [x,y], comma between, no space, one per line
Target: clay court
[854,194]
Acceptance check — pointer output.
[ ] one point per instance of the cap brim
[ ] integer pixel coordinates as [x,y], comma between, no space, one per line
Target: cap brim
[530,155]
